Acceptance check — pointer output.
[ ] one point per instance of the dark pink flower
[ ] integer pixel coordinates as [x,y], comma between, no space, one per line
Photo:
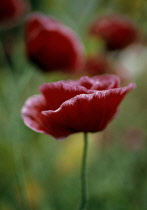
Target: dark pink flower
[117,31]
[51,45]
[12,10]
[96,65]
[67,107]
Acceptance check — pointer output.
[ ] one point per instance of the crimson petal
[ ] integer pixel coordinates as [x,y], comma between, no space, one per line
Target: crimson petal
[86,113]
[58,92]
[101,82]
[51,45]
[31,113]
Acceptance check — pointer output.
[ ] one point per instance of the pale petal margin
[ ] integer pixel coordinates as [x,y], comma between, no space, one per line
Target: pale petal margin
[31,113]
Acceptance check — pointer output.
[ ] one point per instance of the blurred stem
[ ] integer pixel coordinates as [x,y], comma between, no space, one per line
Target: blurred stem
[15,136]
[7,58]
[83,174]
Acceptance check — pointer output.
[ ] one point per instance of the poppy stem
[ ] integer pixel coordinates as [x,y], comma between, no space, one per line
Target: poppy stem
[83,174]
[15,138]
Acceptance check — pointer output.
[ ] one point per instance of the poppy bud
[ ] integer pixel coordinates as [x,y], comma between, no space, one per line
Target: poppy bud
[51,45]
[96,65]
[117,32]
[11,11]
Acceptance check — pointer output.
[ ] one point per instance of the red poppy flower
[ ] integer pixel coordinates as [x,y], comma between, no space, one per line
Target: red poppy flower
[96,65]
[51,45]
[117,31]
[12,10]
[67,107]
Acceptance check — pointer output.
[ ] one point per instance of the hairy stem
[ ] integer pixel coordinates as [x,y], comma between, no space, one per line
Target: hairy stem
[84,175]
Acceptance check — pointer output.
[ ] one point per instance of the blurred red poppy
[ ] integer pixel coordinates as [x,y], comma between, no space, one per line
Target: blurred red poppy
[67,107]
[96,65]
[51,45]
[12,10]
[117,31]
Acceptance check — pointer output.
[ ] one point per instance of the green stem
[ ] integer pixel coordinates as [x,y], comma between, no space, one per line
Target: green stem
[83,174]
[15,136]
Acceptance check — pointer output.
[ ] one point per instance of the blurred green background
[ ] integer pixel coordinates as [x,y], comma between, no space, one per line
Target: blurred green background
[39,173]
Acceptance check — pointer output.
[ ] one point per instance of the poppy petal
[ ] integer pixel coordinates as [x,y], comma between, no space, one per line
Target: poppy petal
[58,92]
[31,113]
[101,82]
[87,113]
[51,45]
